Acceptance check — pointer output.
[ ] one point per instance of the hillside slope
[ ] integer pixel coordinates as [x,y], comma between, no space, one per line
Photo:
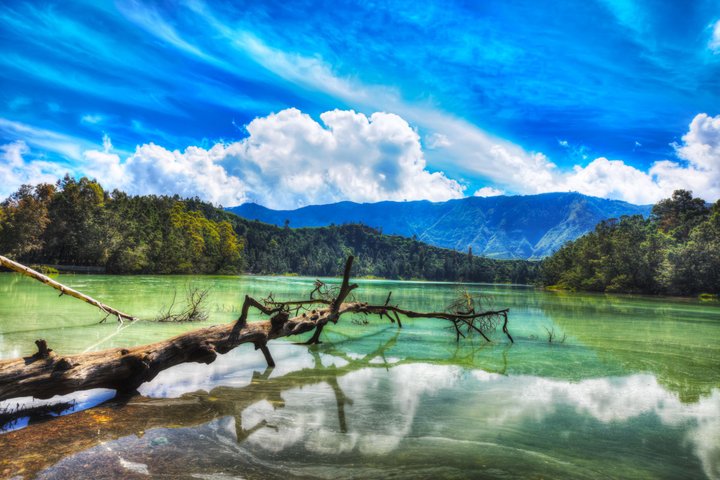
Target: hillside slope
[78,223]
[516,227]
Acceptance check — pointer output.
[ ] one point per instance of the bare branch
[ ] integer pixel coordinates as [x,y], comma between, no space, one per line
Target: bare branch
[194,311]
[29,272]
[46,374]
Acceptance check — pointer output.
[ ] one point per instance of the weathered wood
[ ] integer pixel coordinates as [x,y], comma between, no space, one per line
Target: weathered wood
[64,290]
[45,374]
[28,451]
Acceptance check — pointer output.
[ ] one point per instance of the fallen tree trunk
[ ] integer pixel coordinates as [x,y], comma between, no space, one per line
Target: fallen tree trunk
[32,449]
[47,374]
[64,290]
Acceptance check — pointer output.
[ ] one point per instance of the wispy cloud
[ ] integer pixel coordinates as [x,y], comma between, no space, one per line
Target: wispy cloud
[65,145]
[92,119]
[289,159]
[714,44]
[16,170]
[485,100]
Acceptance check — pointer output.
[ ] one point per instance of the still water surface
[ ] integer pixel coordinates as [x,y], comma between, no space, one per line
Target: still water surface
[632,392]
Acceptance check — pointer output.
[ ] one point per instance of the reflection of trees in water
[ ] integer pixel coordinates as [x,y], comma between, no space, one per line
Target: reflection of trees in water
[335,416]
[676,341]
[45,442]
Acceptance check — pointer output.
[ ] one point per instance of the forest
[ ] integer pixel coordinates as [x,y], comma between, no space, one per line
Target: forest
[78,223]
[675,251]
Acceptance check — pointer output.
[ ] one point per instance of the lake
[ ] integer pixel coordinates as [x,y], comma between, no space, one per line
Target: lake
[629,388]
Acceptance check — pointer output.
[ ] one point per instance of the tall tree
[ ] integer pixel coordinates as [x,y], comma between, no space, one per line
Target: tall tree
[680,214]
[25,217]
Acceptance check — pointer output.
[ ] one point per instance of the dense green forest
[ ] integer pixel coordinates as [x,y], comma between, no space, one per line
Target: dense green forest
[77,222]
[675,251]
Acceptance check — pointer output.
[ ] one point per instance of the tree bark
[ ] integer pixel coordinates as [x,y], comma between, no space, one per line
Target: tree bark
[27,271]
[47,374]
[30,450]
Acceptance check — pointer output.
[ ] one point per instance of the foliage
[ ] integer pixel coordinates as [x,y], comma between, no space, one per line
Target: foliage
[321,251]
[76,222]
[46,270]
[676,251]
[23,218]
[521,227]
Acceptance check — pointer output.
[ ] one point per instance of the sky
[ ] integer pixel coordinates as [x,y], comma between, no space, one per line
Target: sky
[288,104]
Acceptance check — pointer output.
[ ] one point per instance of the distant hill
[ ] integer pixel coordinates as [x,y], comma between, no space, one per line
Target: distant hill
[77,223]
[504,227]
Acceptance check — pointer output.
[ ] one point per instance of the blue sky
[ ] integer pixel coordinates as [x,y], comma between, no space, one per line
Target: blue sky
[605,97]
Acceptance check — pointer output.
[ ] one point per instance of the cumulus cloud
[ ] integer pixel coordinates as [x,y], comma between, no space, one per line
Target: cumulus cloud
[698,170]
[452,143]
[477,153]
[613,179]
[701,145]
[488,192]
[288,159]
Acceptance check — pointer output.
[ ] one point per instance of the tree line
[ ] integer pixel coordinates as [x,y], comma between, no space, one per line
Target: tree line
[675,251]
[77,222]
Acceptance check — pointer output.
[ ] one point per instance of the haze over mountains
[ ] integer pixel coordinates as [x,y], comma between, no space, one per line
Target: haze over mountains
[517,227]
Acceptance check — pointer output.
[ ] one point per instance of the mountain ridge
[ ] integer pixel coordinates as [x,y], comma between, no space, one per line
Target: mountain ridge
[503,227]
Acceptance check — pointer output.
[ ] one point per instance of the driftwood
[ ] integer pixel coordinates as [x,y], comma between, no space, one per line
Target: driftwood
[28,451]
[64,290]
[47,374]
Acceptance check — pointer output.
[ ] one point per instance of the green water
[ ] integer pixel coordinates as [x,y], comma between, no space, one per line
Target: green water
[633,391]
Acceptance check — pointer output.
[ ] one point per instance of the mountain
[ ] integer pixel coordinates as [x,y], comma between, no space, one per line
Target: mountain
[77,223]
[507,227]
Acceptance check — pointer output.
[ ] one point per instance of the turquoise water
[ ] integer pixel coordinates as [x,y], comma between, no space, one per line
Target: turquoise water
[633,390]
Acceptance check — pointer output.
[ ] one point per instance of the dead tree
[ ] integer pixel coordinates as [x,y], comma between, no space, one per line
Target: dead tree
[194,310]
[30,450]
[46,374]
[27,271]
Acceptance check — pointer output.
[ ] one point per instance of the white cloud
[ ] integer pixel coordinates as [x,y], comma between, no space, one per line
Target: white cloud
[701,145]
[613,179]
[472,151]
[288,159]
[698,170]
[488,192]
[466,149]
[437,140]
[714,44]
[194,172]
[15,170]
[92,119]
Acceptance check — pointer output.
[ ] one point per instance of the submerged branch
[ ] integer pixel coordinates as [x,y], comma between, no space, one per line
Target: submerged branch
[29,272]
[46,374]
[195,308]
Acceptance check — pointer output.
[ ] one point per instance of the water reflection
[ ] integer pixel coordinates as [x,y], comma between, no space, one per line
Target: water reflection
[633,392]
[676,341]
[19,412]
[339,415]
